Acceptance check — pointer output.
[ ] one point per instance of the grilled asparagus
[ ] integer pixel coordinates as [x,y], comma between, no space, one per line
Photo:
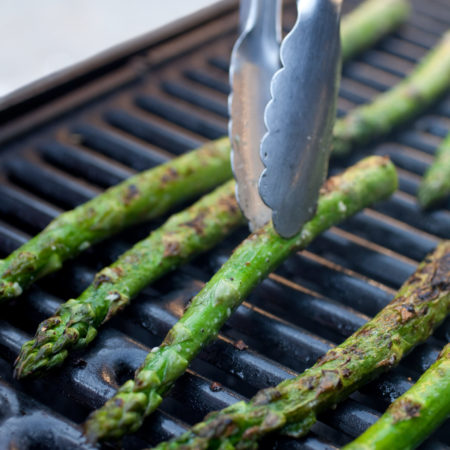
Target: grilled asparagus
[154,192]
[414,415]
[368,23]
[291,407]
[76,323]
[370,180]
[142,197]
[435,185]
[428,82]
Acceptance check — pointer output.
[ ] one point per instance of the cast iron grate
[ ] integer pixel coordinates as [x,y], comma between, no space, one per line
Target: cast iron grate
[161,103]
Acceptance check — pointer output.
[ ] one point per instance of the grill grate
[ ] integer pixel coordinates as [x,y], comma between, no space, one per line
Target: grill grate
[141,111]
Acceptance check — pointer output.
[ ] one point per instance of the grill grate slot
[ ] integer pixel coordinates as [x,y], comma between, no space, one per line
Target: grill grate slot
[182,117]
[356,92]
[404,207]
[146,130]
[137,156]
[47,183]
[27,211]
[417,36]
[372,262]
[177,90]
[208,81]
[376,227]
[419,140]
[377,79]
[78,161]
[403,49]
[435,125]
[11,238]
[387,62]
[315,300]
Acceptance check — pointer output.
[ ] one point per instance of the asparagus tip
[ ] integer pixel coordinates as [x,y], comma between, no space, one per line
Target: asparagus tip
[119,413]
[34,359]
[9,289]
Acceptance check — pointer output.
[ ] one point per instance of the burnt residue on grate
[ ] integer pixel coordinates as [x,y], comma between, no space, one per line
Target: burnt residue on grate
[139,113]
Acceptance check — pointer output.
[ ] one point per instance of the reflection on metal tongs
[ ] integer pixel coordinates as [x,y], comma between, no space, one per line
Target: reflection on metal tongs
[282,108]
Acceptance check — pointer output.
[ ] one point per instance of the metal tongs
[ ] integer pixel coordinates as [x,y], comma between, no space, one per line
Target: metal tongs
[282,109]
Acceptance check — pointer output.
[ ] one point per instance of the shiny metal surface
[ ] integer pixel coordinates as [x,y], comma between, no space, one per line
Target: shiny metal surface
[244,11]
[254,60]
[300,115]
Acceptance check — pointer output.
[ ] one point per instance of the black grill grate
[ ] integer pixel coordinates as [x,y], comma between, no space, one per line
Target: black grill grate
[162,102]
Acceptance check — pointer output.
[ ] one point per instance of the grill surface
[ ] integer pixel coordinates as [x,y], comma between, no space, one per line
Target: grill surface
[67,144]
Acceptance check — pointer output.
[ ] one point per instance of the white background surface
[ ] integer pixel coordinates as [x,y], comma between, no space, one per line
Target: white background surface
[39,37]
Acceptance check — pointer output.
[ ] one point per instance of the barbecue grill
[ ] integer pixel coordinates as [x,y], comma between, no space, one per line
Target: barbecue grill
[66,139]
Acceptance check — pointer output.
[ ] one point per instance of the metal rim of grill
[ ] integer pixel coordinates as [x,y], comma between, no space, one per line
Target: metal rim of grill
[66,141]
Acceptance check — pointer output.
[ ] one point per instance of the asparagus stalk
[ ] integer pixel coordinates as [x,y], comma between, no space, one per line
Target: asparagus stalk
[291,407]
[414,415]
[144,196]
[427,83]
[368,23]
[77,321]
[370,180]
[154,192]
[184,235]
[435,185]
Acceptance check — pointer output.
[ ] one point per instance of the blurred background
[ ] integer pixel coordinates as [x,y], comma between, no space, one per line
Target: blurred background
[40,37]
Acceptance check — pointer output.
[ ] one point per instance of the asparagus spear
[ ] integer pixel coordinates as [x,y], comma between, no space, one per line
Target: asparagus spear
[414,415]
[368,23]
[368,181]
[428,82]
[435,185]
[76,323]
[154,192]
[142,197]
[185,234]
[291,407]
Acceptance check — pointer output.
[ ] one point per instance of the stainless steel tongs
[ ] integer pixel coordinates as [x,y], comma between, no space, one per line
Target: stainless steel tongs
[282,108]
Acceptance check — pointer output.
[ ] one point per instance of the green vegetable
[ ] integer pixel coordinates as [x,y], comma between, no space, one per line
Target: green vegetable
[368,23]
[370,180]
[156,191]
[414,415]
[428,82]
[435,185]
[291,408]
[144,196]
[184,235]
[77,321]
